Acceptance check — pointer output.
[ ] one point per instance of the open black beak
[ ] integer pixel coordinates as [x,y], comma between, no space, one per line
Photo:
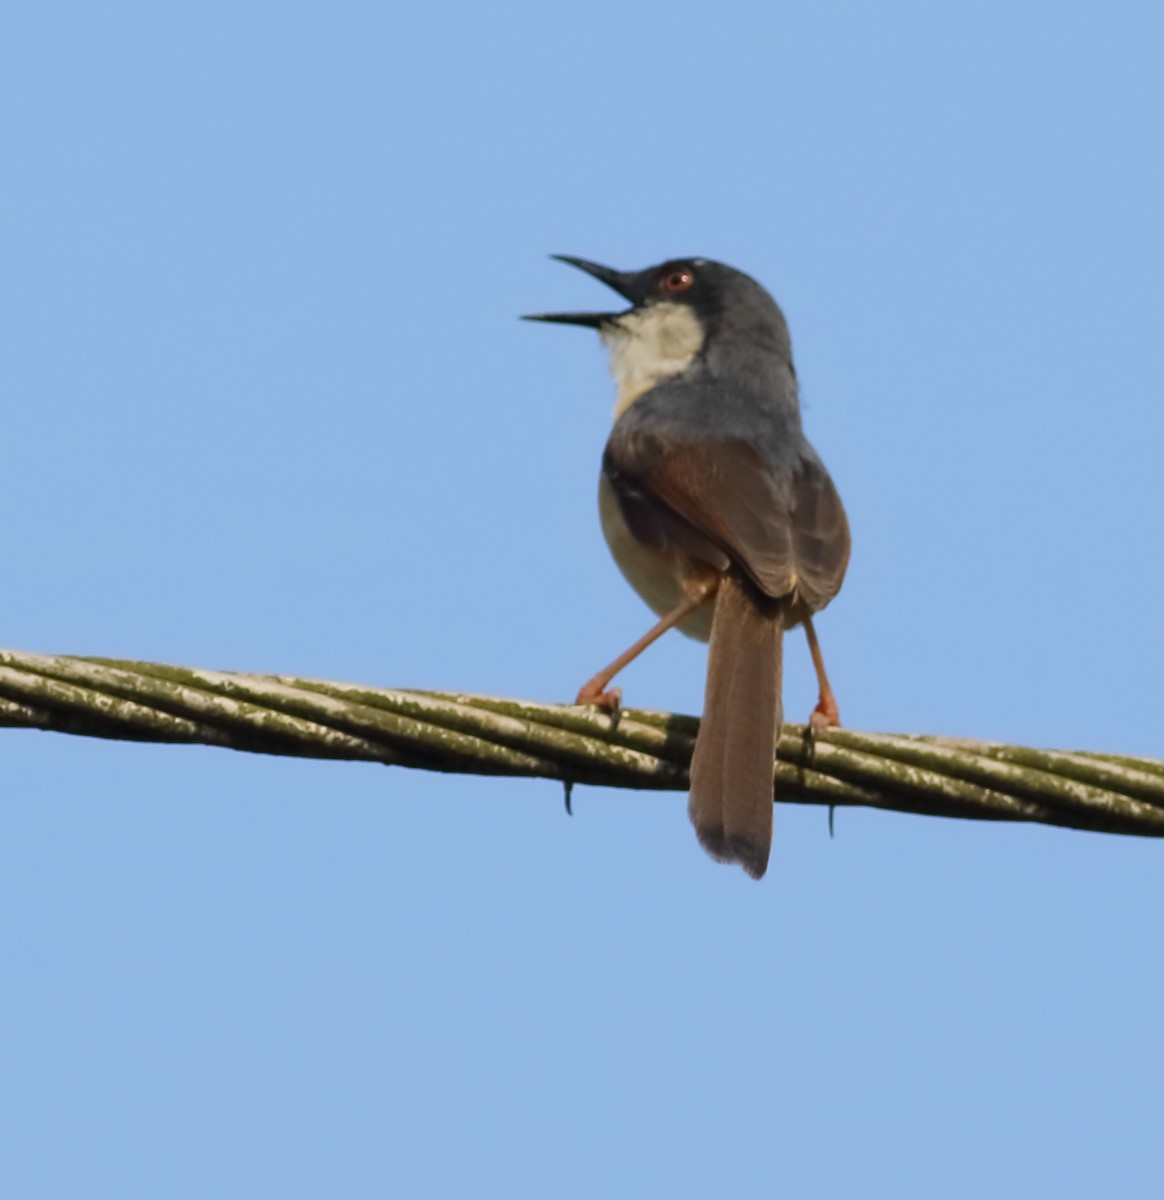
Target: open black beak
[621,281]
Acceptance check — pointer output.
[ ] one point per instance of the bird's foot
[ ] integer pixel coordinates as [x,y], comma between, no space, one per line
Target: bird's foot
[826,715]
[608,699]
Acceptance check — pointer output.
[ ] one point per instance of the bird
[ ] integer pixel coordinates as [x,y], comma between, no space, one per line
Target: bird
[720,514]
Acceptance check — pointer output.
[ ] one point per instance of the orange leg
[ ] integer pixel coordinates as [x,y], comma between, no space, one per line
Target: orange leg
[826,713]
[595,691]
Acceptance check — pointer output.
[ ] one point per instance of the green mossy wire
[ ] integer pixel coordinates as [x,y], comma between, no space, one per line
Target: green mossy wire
[448,731]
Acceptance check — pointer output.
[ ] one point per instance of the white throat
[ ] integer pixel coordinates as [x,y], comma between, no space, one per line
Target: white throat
[648,346]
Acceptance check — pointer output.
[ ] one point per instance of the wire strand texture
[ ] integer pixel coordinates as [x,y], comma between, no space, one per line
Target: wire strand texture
[445,731]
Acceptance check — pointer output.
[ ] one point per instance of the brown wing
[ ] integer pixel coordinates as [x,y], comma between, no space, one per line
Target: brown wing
[785,530]
[820,535]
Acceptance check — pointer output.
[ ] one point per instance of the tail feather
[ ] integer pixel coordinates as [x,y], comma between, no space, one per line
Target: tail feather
[731,770]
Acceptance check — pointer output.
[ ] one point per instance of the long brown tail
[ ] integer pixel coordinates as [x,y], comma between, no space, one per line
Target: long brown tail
[731,771]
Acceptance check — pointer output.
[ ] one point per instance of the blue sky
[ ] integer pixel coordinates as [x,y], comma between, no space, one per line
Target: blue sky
[268,406]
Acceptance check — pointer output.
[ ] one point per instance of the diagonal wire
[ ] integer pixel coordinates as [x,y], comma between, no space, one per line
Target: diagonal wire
[446,731]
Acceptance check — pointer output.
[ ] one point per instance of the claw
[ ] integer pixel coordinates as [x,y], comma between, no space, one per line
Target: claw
[610,699]
[826,715]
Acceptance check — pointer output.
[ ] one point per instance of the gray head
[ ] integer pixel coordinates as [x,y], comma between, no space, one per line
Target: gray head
[726,301]
[680,310]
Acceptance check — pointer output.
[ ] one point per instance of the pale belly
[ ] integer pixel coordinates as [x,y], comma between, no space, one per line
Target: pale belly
[655,575]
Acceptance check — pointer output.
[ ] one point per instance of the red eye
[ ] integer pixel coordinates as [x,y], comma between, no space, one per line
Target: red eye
[677,279]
